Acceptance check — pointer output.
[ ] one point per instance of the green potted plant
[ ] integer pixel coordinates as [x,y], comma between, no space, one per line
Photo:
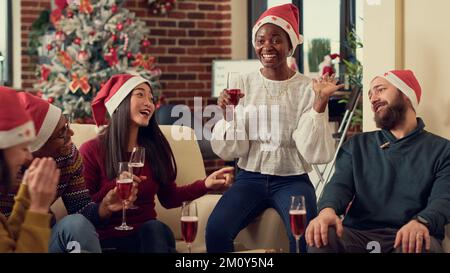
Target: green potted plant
[353,77]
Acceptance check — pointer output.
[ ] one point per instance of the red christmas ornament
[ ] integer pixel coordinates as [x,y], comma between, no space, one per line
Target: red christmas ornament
[60,36]
[51,99]
[83,56]
[119,26]
[77,41]
[129,55]
[146,43]
[69,14]
[112,50]
[92,33]
[114,8]
[49,47]
[129,21]
[114,37]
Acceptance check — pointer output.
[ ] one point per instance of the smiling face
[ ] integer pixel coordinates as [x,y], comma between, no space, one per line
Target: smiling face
[59,143]
[272,46]
[141,105]
[388,103]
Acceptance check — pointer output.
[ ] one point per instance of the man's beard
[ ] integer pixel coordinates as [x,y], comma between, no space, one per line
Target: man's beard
[393,116]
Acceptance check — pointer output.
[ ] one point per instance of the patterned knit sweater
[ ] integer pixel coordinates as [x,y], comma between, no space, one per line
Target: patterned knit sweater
[72,189]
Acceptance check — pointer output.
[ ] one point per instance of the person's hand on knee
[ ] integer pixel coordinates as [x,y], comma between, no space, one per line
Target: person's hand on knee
[317,230]
[412,237]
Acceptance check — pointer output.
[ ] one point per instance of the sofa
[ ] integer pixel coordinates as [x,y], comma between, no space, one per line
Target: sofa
[266,232]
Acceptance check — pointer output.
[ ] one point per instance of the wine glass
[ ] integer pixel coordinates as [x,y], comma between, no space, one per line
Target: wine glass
[189,223]
[297,216]
[233,87]
[124,184]
[136,164]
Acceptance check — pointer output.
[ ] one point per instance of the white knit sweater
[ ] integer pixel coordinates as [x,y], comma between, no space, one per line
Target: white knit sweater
[304,135]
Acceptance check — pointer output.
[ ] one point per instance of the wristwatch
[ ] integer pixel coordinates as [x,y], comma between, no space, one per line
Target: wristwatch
[422,220]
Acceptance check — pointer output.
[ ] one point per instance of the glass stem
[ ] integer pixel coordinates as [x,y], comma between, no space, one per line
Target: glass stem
[123,213]
[189,247]
[297,244]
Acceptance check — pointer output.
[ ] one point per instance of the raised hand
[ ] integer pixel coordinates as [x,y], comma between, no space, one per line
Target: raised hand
[324,87]
[42,178]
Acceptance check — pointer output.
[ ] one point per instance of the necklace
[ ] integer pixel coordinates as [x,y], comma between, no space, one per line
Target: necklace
[270,94]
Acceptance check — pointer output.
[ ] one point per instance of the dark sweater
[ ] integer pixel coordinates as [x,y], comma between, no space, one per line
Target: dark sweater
[391,185]
[99,185]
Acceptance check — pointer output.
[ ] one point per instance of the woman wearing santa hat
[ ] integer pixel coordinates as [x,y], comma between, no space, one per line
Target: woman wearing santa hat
[273,166]
[128,101]
[53,139]
[28,227]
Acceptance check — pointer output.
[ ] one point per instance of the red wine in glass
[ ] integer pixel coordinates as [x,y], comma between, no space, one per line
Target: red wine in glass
[137,168]
[189,228]
[298,222]
[124,187]
[234,95]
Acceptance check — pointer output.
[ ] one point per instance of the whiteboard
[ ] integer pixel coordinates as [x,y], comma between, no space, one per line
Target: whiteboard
[220,69]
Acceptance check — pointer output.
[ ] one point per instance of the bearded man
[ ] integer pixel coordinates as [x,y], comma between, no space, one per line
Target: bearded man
[393,185]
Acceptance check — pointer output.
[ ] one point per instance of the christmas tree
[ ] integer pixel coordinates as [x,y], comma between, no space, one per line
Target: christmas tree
[90,42]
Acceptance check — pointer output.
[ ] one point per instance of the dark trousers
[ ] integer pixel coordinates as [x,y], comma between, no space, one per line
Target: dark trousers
[366,241]
[249,196]
[152,237]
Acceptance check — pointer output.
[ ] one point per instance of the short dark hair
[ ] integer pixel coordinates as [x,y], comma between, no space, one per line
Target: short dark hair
[5,177]
[114,139]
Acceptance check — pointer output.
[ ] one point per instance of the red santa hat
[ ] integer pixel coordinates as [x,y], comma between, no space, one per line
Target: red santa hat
[286,17]
[16,126]
[334,56]
[407,83]
[112,94]
[45,117]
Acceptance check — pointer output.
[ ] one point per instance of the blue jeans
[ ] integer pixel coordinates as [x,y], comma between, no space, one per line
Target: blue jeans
[152,237]
[249,196]
[74,233]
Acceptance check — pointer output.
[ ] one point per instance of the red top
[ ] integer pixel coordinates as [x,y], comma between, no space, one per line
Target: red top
[97,182]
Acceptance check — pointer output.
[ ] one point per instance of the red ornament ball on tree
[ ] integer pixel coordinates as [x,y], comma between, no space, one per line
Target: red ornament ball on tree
[129,21]
[146,43]
[49,47]
[70,14]
[119,26]
[129,55]
[77,41]
[83,56]
[114,37]
[60,36]
[51,100]
[114,8]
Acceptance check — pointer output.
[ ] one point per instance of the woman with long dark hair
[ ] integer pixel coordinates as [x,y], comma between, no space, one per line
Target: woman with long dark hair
[128,100]
[27,229]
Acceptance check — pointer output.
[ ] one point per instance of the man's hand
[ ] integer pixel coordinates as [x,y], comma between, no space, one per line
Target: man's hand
[411,236]
[317,230]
